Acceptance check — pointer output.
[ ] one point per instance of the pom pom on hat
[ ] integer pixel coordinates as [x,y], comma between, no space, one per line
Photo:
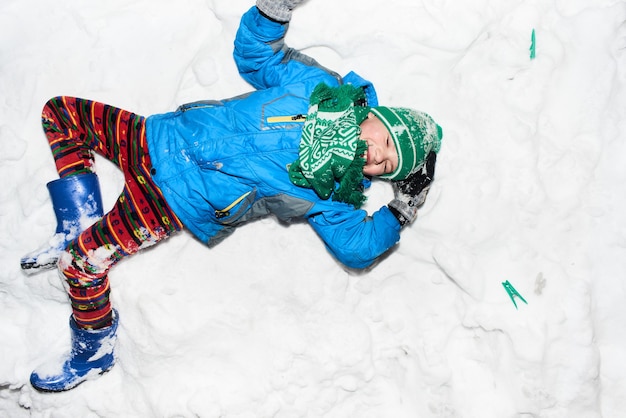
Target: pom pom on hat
[414,133]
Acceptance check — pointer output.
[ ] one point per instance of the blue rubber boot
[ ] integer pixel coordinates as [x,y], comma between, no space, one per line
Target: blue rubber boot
[91,355]
[77,204]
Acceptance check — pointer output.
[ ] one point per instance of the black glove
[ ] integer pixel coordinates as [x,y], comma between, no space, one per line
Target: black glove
[278,10]
[410,193]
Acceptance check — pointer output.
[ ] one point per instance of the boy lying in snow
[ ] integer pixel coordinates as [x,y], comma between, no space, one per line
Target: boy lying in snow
[302,145]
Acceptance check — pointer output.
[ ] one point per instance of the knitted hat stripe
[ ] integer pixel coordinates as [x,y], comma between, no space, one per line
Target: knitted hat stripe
[406,139]
[398,139]
[395,140]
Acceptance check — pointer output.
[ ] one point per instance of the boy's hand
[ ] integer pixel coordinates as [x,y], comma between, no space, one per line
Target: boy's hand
[278,10]
[410,193]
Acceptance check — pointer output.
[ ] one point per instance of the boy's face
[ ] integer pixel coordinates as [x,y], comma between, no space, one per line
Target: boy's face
[381,156]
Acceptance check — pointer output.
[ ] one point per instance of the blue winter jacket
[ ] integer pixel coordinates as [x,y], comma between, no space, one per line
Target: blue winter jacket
[222,163]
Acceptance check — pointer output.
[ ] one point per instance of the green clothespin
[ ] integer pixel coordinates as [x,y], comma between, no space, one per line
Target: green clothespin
[512,293]
[532,45]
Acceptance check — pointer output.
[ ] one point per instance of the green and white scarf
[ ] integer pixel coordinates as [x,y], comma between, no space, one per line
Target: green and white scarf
[331,154]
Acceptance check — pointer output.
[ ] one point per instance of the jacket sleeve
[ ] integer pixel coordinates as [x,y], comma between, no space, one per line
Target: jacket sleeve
[264,60]
[355,238]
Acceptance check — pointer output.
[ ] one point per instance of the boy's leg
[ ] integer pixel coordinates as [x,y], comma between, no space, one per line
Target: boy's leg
[85,263]
[76,127]
[140,218]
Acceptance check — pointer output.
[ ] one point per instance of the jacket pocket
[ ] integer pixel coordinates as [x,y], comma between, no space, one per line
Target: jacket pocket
[202,104]
[285,112]
[234,211]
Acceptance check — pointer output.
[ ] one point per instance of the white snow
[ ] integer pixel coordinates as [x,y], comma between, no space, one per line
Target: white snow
[529,189]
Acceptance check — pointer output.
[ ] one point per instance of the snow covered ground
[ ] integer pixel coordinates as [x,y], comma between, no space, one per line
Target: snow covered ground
[529,189]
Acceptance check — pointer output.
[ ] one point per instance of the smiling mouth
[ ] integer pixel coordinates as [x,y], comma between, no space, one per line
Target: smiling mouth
[366,156]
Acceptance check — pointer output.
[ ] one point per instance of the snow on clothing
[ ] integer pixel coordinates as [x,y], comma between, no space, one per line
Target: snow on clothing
[222,163]
[75,128]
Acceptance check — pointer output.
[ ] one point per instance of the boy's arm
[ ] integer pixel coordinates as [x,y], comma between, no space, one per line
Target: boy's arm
[355,238]
[263,58]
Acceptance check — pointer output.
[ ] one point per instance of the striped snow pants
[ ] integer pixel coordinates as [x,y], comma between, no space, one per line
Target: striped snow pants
[76,128]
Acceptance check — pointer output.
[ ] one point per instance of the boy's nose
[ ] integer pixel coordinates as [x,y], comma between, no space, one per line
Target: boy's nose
[372,155]
[376,155]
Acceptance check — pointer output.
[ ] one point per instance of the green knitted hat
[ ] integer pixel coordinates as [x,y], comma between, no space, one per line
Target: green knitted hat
[414,134]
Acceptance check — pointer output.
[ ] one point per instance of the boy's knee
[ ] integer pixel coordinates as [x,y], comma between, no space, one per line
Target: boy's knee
[81,270]
[53,103]
[53,112]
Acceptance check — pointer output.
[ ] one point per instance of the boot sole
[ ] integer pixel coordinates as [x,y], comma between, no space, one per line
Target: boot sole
[34,266]
[42,390]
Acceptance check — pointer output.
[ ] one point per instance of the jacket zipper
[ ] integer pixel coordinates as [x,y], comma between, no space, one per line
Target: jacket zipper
[282,119]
